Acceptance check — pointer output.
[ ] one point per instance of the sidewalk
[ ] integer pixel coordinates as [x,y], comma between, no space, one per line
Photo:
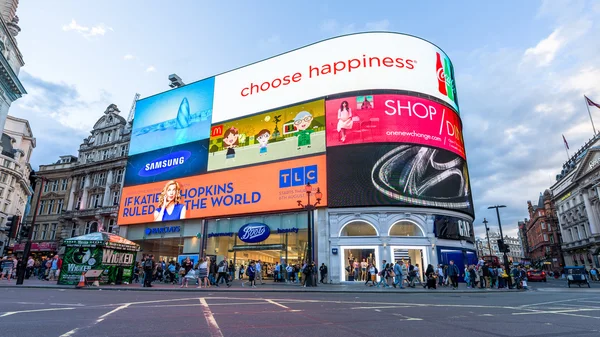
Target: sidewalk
[269,286]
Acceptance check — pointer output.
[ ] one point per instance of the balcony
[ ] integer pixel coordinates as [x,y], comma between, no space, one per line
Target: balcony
[90,212]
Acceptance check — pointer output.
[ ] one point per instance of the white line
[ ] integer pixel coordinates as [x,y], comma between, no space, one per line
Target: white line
[68,304]
[213,327]
[70,333]
[406,318]
[35,310]
[543,303]
[278,304]
[113,311]
[383,307]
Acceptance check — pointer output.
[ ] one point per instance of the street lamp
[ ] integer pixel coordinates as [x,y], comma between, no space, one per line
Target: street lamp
[487,234]
[309,210]
[27,249]
[504,246]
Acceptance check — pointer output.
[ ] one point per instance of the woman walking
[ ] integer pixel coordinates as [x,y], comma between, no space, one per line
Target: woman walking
[203,273]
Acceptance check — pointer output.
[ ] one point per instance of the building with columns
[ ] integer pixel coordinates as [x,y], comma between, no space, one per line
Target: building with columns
[514,245]
[80,194]
[575,195]
[11,59]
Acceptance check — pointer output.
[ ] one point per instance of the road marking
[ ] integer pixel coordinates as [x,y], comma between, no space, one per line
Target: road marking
[552,302]
[34,310]
[278,304]
[377,310]
[213,327]
[68,304]
[113,311]
[487,315]
[406,318]
[70,333]
[381,307]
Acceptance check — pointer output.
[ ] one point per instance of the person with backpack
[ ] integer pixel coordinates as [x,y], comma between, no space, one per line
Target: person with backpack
[223,273]
[251,272]
[149,266]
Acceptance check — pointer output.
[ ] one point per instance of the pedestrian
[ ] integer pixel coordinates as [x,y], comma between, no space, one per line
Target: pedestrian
[440,274]
[291,274]
[7,266]
[203,273]
[398,275]
[323,272]
[276,271]
[383,273]
[54,269]
[251,271]
[371,274]
[453,273]
[430,277]
[258,273]
[417,274]
[223,273]
[29,268]
[241,272]
[149,266]
[467,276]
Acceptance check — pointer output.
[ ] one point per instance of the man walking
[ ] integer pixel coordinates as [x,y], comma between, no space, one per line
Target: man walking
[29,268]
[398,277]
[323,271]
[258,267]
[149,266]
[54,269]
[453,274]
[223,274]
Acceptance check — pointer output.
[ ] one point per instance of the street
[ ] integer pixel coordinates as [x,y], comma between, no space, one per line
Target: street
[544,311]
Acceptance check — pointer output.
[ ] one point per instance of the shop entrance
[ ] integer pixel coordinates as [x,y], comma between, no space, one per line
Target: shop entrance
[355,261]
[165,249]
[411,254]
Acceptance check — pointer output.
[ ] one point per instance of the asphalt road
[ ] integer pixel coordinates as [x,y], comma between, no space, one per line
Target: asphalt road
[546,311]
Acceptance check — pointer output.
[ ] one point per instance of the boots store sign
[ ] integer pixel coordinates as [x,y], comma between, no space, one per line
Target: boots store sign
[254,232]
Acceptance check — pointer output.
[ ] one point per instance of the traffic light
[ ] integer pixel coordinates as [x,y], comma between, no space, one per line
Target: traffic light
[500,245]
[12,222]
[24,232]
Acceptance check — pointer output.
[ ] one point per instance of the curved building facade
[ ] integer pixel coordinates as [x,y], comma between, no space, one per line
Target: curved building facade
[371,121]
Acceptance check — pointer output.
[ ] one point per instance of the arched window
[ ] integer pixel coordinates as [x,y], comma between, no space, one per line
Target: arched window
[405,228]
[358,228]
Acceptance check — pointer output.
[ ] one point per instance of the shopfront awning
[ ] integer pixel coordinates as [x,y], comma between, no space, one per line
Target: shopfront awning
[37,247]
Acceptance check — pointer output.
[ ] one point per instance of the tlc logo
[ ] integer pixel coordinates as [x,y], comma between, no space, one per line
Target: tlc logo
[298,176]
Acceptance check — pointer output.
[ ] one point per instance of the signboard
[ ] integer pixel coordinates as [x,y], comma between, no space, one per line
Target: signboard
[175,117]
[389,118]
[266,188]
[254,232]
[448,227]
[397,174]
[343,64]
[78,260]
[281,134]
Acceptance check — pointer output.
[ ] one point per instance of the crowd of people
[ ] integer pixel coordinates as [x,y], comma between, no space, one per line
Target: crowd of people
[208,272]
[43,268]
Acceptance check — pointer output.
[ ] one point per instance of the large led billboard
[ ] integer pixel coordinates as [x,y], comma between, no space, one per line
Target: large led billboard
[342,64]
[262,188]
[397,175]
[290,132]
[387,118]
[175,117]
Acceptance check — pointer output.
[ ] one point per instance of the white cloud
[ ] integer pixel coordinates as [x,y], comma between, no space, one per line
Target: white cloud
[150,69]
[128,57]
[378,25]
[544,52]
[272,41]
[87,32]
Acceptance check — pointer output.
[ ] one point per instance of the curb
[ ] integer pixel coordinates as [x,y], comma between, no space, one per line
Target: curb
[258,290]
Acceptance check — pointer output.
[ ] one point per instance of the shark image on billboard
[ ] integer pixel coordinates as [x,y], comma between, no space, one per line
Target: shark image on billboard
[175,117]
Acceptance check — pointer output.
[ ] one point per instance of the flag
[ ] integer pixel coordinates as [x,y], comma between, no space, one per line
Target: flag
[591,103]
[565,140]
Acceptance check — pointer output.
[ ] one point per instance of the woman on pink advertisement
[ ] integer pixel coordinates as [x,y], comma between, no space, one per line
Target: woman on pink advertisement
[344,120]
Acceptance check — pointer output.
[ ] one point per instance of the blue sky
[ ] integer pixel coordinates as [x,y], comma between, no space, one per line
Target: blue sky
[521,69]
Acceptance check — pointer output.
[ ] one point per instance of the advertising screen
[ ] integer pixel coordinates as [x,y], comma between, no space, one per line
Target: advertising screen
[389,118]
[449,227]
[348,63]
[169,163]
[265,188]
[174,117]
[285,133]
[397,174]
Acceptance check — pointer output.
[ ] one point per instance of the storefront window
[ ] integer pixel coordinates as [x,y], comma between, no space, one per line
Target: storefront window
[405,228]
[358,228]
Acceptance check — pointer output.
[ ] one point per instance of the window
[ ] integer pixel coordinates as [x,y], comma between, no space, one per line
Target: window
[551,238]
[547,249]
[545,237]
[78,204]
[119,176]
[42,206]
[3,178]
[583,232]
[46,186]
[100,179]
[44,230]
[34,232]
[6,163]
[50,206]
[59,206]
[64,183]
[9,195]
[358,228]
[577,236]
[53,231]
[74,230]
[405,228]
[82,183]
[540,213]
[108,136]
[55,186]
[111,225]
[105,155]
[543,225]
[95,201]
[124,150]
[1,191]
[91,227]
[115,197]
[571,237]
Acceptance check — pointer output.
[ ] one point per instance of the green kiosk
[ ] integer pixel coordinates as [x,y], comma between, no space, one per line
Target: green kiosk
[112,256]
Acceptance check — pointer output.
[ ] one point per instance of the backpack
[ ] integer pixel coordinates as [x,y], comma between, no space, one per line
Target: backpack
[493,272]
[148,264]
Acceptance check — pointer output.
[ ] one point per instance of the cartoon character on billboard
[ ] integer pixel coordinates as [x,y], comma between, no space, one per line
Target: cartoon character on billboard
[231,140]
[344,120]
[302,122]
[169,203]
[263,140]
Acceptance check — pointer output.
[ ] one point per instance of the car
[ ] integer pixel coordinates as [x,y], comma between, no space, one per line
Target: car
[536,275]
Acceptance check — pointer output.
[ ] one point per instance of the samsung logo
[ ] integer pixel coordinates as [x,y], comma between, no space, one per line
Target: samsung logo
[164,163]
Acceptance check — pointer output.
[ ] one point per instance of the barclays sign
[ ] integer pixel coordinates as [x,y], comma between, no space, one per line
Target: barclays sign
[254,232]
[163,230]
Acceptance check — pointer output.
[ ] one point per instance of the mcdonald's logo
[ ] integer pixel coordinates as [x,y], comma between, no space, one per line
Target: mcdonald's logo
[216,131]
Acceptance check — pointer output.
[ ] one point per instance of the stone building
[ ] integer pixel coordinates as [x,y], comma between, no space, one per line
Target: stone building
[542,233]
[80,195]
[514,245]
[11,59]
[575,195]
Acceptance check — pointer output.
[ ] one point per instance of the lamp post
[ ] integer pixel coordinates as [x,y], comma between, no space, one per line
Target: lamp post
[506,265]
[27,249]
[487,234]
[309,210]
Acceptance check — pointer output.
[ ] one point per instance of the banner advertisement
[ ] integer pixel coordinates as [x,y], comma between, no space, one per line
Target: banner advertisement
[347,63]
[449,227]
[170,163]
[266,188]
[178,116]
[285,133]
[393,119]
[78,260]
[396,175]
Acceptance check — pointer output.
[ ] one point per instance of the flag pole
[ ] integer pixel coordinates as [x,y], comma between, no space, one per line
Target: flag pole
[567,151]
[587,105]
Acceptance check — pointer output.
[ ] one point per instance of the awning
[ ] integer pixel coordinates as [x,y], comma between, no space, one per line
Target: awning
[37,247]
